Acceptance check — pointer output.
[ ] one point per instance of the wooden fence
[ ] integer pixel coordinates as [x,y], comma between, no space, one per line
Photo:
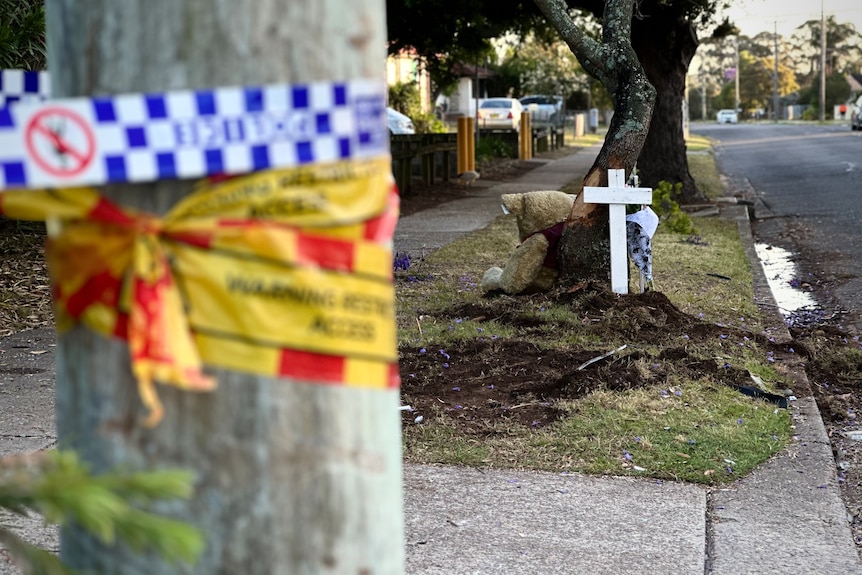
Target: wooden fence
[434,156]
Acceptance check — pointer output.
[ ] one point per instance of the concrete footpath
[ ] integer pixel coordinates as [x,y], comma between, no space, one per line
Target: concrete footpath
[787,517]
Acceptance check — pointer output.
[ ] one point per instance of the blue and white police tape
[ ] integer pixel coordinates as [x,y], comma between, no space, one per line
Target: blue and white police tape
[23,85]
[189,134]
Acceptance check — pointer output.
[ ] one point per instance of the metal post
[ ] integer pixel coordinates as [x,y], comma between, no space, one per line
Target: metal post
[775,82]
[736,78]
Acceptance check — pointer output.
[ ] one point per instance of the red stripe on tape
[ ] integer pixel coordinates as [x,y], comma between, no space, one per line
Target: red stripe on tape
[101,288]
[327,253]
[313,366]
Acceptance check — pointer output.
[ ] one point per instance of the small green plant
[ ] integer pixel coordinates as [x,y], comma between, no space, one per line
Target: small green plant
[61,488]
[491,148]
[664,202]
[405,98]
[428,123]
[22,34]
[809,114]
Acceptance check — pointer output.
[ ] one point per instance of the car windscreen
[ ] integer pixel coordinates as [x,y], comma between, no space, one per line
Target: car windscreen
[495,104]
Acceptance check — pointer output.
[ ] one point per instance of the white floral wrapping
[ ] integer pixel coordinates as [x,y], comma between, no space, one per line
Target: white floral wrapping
[640,228]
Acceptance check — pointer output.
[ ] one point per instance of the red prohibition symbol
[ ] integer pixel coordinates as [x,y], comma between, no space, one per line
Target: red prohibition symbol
[60,142]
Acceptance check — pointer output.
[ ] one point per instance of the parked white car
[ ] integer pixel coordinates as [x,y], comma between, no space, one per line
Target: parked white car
[500,114]
[727,117]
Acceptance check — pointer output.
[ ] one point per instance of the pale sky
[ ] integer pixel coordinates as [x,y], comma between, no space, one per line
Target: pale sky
[755,16]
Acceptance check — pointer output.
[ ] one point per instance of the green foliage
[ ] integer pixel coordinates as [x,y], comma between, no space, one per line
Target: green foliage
[809,114]
[22,34]
[405,98]
[62,489]
[428,123]
[543,68]
[446,35]
[665,203]
[490,148]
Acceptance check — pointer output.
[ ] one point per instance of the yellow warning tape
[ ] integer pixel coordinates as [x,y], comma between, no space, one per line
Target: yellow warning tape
[280,273]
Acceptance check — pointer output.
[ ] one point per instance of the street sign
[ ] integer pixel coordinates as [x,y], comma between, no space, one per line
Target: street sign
[60,142]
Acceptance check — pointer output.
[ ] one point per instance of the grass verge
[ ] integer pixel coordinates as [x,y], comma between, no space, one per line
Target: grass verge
[495,381]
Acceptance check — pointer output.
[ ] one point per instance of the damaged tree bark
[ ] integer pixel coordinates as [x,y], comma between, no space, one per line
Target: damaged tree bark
[584,247]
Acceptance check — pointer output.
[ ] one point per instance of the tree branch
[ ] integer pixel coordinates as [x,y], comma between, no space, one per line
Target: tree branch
[588,52]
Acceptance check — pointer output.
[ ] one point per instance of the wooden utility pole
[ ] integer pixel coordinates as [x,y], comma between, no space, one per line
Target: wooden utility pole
[291,477]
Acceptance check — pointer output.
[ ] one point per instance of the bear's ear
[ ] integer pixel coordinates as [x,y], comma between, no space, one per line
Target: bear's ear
[514,203]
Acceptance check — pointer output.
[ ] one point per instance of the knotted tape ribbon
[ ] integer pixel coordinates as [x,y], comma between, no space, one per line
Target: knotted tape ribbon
[282,273]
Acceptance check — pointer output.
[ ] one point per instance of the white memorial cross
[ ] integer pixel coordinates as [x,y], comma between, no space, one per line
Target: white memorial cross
[617,196]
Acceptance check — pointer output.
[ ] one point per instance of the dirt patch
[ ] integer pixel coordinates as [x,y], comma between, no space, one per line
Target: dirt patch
[482,383]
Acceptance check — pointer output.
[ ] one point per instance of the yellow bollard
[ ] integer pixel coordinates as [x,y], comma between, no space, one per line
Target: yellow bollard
[471,145]
[525,137]
[462,144]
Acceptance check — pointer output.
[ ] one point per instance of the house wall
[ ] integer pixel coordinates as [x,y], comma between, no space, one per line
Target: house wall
[461,102]
[407,69]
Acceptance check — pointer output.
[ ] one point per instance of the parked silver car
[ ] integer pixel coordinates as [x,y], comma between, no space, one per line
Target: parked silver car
[544,110]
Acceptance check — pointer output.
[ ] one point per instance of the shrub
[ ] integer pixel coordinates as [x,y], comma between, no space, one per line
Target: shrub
[428,123]
[405,98]
[491,148]
[665,204]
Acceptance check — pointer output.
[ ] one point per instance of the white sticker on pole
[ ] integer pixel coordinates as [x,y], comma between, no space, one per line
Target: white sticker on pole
[189,134]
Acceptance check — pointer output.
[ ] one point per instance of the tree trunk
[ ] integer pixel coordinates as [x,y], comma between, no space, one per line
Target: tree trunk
[291,477]
[584,249]
[666,64]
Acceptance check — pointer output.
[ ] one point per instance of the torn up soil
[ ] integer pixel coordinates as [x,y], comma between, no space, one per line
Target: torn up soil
[479,383]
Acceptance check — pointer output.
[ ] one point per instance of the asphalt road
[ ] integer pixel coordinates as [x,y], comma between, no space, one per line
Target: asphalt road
[810,178]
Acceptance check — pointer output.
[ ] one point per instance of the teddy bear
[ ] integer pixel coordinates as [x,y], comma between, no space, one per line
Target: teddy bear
[532,266]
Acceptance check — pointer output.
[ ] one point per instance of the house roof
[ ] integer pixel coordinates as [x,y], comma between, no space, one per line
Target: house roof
[855,81]
[469,71]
